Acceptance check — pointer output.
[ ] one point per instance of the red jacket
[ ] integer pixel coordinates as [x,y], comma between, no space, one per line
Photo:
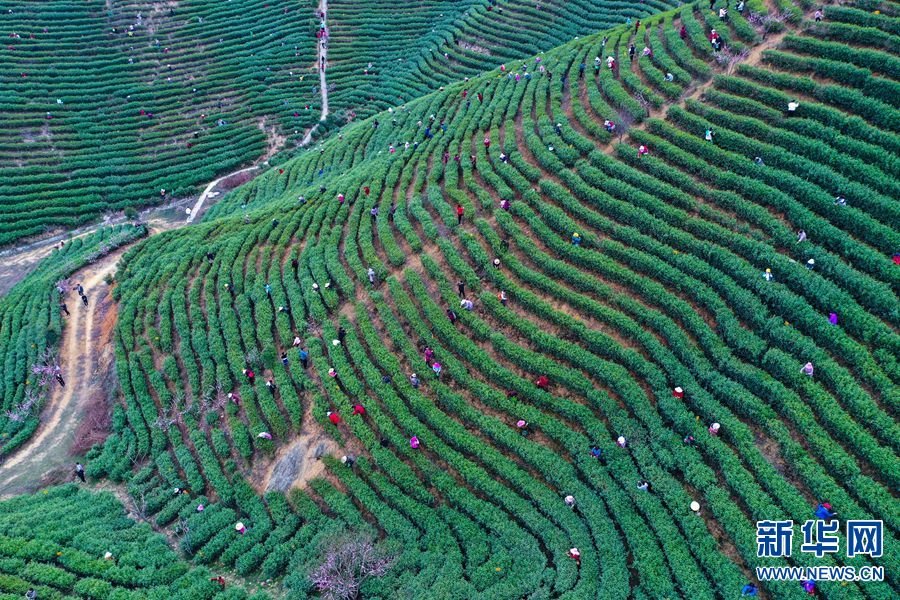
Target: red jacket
[334,418]
[542,381]
[459,210]
[358,410]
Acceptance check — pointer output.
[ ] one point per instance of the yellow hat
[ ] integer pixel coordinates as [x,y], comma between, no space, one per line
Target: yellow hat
[768,270]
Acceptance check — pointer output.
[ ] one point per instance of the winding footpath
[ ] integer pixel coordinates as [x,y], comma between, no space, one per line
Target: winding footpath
[86,357]
[321,65]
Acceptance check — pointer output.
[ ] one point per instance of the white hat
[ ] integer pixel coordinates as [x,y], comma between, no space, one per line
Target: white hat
[695,506]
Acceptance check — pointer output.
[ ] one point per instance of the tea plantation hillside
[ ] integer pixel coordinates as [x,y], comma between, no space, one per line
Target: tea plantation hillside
[31,321]
[67,543]
[107,103]
[688,271]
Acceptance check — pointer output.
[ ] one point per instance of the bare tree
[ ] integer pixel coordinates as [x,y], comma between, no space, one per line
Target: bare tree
[63,287]
[349,560]
[767,23]
[728,58]
[644,102]
[46,368]
[24,409]
[139,501]
[625,123]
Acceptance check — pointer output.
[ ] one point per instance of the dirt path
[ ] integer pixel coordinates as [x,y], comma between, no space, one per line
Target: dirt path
[209,190]
[85,354]
[321,65]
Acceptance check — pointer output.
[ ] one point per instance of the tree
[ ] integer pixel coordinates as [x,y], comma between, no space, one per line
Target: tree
[728,58]
[769,23]
[349,560]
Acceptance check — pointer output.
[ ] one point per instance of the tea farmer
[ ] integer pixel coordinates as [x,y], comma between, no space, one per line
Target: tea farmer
[823,511]
[575,555]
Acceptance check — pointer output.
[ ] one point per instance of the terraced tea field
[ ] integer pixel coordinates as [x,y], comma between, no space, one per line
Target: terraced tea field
[108,103]
[504,302]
